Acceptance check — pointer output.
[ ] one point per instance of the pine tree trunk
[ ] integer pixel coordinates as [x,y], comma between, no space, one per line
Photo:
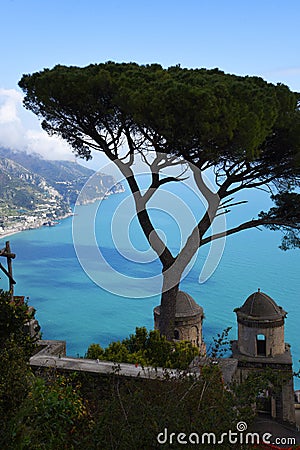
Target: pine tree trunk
[167,312]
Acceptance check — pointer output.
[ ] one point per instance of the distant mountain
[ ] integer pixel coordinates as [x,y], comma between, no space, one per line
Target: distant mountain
[67,177]
[34,191]
[23,188]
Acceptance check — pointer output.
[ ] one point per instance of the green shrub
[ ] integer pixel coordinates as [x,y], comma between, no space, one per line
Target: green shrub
[147,349]
[34,414]
[13,317]
[53,416]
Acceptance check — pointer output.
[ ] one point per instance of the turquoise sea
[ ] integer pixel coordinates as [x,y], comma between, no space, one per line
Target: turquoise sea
[72,307]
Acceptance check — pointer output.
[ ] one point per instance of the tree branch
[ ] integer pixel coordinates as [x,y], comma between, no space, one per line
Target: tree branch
[209,195]
[245,226]
[155,167]
[152,236]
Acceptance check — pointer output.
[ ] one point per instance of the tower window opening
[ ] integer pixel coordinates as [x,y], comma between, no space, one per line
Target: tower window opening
[261,345]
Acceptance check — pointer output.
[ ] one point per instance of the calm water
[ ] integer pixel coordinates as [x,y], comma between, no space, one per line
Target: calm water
[72,307]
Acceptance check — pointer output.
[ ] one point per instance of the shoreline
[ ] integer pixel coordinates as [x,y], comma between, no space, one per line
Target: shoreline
[10,233]
[31,227]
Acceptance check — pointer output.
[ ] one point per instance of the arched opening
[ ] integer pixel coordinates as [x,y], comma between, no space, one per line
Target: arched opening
[194,336]
[264,403]
[176,335]
[261,348]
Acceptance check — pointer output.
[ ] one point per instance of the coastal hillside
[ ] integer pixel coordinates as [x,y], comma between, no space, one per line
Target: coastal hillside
[35,191]
[67,177]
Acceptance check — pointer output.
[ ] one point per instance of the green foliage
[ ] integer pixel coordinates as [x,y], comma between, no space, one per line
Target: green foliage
[147,349]
[191,111]
[52,416]
[95,351]
[287,207]
[246,129]
[131,413]
[252,391]
[87,412]
[13,318]
[15,382]
[221,344]
[38,414]
[15,348]
[33,414]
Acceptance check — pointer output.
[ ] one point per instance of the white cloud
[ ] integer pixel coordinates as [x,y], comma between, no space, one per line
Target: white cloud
[9,98]
[50,147]
[19,131]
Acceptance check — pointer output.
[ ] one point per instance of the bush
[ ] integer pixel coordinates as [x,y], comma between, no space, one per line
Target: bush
[53,416]
[130,413]
[34,414]
[13,318]
[15,349]
[147,349]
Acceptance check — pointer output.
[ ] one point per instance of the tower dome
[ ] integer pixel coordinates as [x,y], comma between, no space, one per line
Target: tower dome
[186,306]
[259,307]
[188,320]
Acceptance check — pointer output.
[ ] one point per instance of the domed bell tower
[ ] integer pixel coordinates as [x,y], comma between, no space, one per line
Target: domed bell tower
[260,326]
[188,321]
[261,345]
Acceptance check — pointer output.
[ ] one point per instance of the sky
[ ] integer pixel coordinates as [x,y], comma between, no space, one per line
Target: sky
[245,37]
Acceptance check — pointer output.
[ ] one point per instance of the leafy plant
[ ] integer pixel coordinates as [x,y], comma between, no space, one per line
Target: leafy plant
[146,348]
[52,416]
[13,319]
